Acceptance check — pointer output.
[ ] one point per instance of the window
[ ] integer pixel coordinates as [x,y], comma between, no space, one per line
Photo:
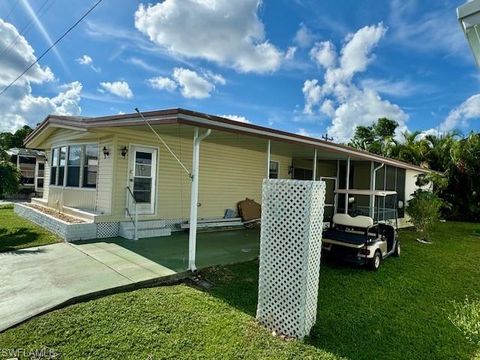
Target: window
[73,165]
[142,183]
[274,170]
[40,175]
[90,166]
[77,164]
[302,174]
[53,167]
[61,165]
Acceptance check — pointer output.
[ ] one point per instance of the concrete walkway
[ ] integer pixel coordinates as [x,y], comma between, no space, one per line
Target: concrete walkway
[35,280]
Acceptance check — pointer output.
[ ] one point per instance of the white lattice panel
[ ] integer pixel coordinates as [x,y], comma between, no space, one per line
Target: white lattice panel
[107,230]
[291,241]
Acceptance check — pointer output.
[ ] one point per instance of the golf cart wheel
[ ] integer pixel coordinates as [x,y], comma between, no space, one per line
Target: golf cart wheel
[375,262]
[397,249]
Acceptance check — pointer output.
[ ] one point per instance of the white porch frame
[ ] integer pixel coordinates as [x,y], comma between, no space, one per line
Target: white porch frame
[192,237]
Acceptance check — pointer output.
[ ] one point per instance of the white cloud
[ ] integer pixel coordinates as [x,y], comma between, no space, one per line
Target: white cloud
[87,61]
[399,88]
[14,61]
[216,78]
[290,54]
[303,132]
[192,85]
[461,116]
[84,60]
[162,83]
[338,97]
[18,106]
[312,92]
[356,53]
[227,32]
[324,54]
[303,37]
[238,118]
[118,88]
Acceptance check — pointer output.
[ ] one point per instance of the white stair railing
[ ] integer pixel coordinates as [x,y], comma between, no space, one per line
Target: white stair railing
[134,218]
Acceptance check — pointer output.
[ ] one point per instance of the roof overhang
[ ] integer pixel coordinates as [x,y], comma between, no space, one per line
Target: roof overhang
[191,118]
[469,17]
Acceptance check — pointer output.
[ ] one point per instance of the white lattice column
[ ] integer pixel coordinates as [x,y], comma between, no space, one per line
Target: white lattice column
[291,241]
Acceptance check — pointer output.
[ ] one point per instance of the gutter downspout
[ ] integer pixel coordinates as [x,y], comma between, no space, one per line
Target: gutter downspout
[192,238]
[373,186]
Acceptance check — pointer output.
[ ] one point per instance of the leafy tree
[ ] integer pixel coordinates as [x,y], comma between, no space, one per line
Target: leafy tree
[9,178]
[378,138]
[9,140]
[424,212]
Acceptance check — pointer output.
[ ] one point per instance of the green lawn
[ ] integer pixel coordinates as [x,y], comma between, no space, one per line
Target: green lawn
[18,233]
[400,312]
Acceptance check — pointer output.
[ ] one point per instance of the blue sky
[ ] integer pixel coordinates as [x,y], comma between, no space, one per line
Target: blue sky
[303,66]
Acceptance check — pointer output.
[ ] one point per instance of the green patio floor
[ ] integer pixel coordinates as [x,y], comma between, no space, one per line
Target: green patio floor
[213,248]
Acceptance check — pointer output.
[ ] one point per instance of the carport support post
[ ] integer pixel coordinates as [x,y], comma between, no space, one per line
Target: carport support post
[314,175]
[192,238]
[347,185]
[372,187]
[268,159]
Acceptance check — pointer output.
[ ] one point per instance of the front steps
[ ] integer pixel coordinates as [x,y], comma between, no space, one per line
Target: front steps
[145,229]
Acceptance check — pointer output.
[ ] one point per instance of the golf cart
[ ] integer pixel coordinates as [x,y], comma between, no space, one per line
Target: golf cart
[362,239]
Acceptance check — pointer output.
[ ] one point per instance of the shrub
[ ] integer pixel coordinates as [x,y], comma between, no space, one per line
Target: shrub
[466,318]
[424,211]
[9,178]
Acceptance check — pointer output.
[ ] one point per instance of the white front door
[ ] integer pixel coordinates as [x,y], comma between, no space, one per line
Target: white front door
[142,177]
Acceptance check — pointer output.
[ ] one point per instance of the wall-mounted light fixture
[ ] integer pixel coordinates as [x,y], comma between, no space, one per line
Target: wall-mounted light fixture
[290,170]
[106,152]
[124,152]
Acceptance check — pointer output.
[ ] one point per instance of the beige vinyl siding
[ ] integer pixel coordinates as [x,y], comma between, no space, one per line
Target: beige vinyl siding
[105,175]
[173,183]
[72,197]
[228,174]
[46,174]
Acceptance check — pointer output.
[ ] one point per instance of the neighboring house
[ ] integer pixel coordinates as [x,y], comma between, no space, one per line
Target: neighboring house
[31,164]
[98,168]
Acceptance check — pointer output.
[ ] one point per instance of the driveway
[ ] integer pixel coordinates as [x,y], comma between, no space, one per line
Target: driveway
[36,280]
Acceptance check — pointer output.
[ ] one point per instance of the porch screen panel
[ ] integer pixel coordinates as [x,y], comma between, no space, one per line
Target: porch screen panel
[142,182]
[73,165]
[401,191]
[342,173]
[379,178]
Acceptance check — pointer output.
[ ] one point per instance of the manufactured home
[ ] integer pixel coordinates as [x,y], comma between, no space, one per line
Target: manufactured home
[31,164]
[143,175]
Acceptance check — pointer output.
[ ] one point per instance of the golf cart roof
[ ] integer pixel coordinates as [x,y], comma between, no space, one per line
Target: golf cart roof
[382,193]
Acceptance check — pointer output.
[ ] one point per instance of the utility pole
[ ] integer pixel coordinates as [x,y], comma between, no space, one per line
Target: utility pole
[326,137]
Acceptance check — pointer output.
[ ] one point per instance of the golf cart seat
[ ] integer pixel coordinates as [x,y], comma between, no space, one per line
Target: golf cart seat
[348,229]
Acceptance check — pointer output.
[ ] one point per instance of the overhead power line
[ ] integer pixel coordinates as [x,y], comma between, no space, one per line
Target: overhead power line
[11,10]
[51,46]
